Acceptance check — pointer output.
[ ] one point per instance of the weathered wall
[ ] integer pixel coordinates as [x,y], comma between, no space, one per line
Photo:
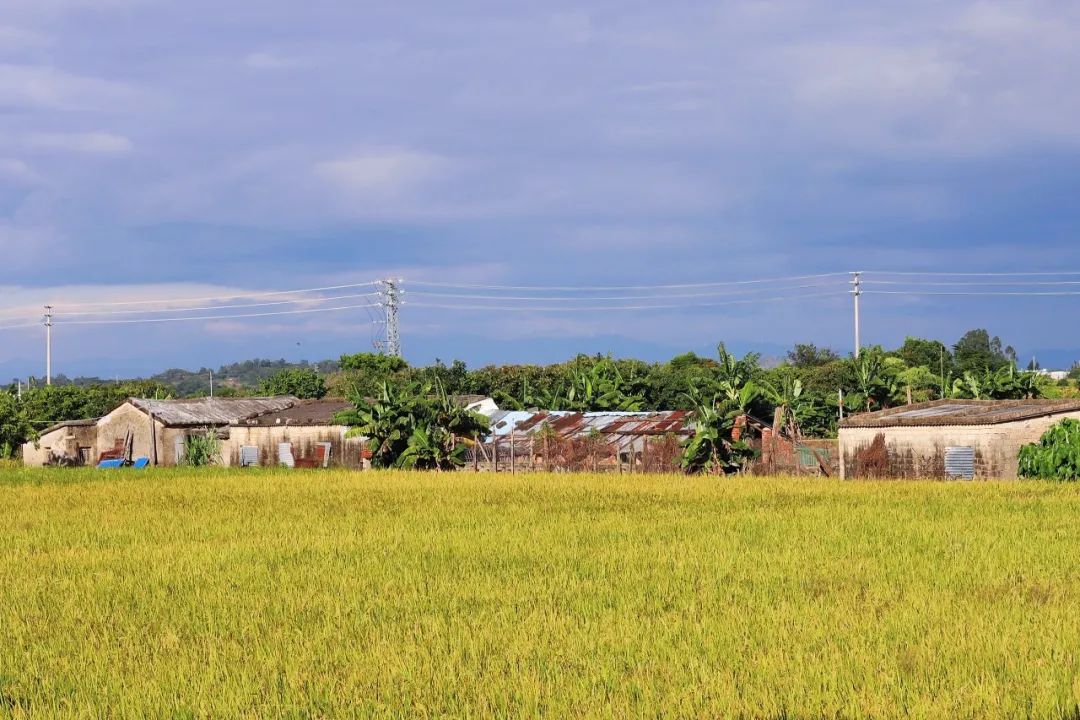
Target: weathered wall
[343,452]
[67,440]
[920,451]
[781,456]
[123,419]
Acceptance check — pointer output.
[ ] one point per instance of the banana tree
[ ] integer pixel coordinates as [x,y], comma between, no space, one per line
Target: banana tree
[713,448]
[602,387]
[787,396]
[874,384]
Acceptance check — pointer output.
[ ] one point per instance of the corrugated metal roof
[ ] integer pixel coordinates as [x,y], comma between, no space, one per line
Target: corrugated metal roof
[211,411]
[961,412]
[576,424]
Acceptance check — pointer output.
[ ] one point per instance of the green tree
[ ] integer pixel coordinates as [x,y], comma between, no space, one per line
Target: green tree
[874,383]
[15,426]
[930,354]
[713,447]
[806,355]
[415,426]
[304,383]
[602,387]
[364,374]
[976,351]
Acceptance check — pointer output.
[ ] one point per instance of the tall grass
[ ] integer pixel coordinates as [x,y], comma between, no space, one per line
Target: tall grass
[217,593]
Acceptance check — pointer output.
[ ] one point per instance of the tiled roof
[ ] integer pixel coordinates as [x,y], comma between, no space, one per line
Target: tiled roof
[211,411]
[960,412]
[304,412]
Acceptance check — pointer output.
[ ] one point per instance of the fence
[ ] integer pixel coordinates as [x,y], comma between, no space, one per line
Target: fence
[599,452]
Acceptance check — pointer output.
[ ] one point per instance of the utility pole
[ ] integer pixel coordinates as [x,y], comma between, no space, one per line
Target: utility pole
[391,303]
[856,291]
[48,344]
[211,381]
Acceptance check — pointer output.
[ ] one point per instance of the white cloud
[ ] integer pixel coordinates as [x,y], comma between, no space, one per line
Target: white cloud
[39,86]
[89,143]
[382,174]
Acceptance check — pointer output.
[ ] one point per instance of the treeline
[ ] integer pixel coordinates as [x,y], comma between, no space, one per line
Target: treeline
[810,384]
[232,379]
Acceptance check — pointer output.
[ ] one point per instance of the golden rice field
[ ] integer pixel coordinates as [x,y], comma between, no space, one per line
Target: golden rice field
[216,594]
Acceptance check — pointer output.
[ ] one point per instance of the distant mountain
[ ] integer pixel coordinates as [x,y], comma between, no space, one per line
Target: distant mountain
[246,375]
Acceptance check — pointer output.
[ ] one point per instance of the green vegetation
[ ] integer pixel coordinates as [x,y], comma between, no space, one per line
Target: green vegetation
[1057,454]
[415,427]
[304,383]
[201,449]
[806,385]
[324,594]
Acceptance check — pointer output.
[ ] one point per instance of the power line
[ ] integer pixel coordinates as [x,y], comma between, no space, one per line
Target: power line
[999,293]
[611,297]
[969,274]
[834,293]
[598,288]
[217,297]
[20,327]
[211,317]
[302,301]
[931,283]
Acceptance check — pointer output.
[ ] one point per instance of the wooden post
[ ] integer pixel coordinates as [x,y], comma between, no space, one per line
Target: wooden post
[476,453]
[153,440]
[495,452]
[513,453]
[778,420]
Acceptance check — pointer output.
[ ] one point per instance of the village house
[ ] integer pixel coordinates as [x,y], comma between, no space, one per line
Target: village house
[158,430]
[947,438]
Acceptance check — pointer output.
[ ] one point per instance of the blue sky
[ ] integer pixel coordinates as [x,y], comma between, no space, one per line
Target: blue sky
[156,149]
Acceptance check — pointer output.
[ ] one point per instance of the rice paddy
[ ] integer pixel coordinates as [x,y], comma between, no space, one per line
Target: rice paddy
[215,594]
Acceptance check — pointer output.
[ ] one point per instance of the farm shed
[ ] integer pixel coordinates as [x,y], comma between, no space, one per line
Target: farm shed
[596,441]
[156,428]
[947,438]
[72,442]
[303,427]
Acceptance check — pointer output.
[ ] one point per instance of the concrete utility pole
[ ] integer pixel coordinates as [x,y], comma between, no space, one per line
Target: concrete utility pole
[48,344]
[391,303]
[856,291]
[211,382]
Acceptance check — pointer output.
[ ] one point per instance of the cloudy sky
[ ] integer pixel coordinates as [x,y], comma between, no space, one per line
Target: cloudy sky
[157,149]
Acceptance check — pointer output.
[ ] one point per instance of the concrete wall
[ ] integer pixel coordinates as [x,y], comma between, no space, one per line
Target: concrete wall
[343,453]
[919,452]
[127,417]
[66,440]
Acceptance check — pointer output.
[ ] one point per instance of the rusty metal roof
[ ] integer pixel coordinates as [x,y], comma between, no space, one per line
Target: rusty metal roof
[961,412]
[211,411]
[578,424]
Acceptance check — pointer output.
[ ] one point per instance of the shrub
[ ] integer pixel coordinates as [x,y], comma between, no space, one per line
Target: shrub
[1056,456]
[202,449]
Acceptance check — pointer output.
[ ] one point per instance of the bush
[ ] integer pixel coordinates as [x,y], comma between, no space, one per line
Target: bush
[304,383]
[1056,456]
[202,449]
